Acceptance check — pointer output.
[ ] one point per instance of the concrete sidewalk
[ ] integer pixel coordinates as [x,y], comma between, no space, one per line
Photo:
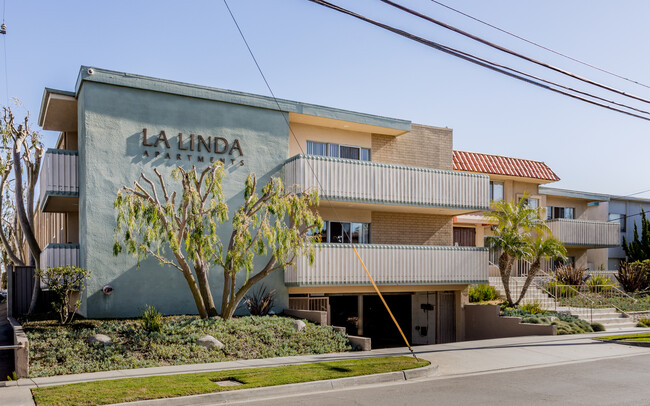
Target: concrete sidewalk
[452,359]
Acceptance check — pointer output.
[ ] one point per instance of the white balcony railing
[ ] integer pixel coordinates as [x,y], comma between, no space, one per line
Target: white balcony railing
[372,182]
[586,233]
[337,264]
[59,176]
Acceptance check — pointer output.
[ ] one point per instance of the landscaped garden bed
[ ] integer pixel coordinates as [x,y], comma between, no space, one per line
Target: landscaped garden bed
[55,349]
[566,324]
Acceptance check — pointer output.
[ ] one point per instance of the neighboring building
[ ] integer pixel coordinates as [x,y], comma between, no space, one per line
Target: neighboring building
[578,219]
[626,211]
[387,185]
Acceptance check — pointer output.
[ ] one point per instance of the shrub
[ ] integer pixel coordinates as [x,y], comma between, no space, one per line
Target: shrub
[482,293]
[152,319]
[63,281]
[633,276]
[599,283]
[532,308]
[570,275]
[643,322]
[597,327]
[260,302]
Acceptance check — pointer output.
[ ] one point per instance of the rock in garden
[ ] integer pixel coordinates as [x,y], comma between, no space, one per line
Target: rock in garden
[99,338]
[299,325]
[209,342]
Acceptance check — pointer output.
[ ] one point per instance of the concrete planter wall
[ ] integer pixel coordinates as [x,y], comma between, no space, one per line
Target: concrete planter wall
[21,355]
[483,322]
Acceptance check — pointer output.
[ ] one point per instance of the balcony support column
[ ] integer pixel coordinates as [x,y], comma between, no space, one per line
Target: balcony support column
[360,313]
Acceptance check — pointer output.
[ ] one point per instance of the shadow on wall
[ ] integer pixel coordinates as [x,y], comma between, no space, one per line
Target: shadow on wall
[163,287]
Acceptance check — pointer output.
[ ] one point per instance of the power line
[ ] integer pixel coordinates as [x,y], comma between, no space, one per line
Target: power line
[474,59]
[250,51]
[513,53]
[539,45]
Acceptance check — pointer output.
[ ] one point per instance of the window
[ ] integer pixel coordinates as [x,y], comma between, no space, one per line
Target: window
[345,232]
[620,218]
[532,203]
[496,190]
[338,151]
[316,148]
[553,212]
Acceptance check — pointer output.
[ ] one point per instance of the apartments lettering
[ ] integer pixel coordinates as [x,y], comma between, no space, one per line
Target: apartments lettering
[188,147]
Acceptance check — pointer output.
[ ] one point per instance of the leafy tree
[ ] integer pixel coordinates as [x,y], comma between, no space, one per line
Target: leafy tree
[63,281]
[275,223]
[521,233]
[23,161]
[639,248]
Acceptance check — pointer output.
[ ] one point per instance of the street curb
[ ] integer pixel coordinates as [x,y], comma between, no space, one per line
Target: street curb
[622,342]
[294,388]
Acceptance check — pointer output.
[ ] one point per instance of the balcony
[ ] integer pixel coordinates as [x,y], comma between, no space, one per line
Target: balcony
[59,255]
[59,181]
[586,233]
[386,184]
[337,264]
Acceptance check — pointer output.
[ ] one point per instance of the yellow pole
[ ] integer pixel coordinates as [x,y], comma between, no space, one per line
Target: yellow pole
[383,301]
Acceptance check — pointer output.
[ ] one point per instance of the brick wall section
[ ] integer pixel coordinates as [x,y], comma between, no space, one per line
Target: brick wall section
[424,146]
[411,229]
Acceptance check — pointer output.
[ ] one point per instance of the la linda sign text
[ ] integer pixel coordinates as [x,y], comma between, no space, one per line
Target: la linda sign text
[212,145]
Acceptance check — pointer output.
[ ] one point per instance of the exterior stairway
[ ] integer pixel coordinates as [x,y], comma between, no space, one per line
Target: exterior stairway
[608,317]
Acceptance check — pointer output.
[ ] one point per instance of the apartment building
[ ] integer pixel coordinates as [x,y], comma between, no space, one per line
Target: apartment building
[577,219]
[387,187]
[626,212]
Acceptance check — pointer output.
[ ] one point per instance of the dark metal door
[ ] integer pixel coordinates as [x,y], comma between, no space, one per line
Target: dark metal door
[446,317]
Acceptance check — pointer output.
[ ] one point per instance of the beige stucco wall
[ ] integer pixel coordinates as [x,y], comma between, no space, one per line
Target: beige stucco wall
[424,146]
[306,132]
[410,229]
[597,258]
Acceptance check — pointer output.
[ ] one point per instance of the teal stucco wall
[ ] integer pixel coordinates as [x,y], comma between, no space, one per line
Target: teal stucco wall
[111,120]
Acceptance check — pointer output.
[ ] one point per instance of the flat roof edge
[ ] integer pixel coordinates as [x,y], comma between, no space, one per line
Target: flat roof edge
[46,94]
[92,74]
[573,193]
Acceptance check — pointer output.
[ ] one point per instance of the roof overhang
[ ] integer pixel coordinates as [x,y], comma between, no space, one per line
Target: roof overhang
[58,110]
[575,194]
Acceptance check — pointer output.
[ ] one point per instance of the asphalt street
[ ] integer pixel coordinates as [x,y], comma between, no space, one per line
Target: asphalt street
[614,381]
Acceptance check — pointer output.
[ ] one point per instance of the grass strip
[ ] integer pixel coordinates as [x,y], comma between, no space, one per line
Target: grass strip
[628,337]
[167,386]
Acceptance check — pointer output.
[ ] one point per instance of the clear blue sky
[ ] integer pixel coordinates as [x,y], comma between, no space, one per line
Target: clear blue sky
[315,55]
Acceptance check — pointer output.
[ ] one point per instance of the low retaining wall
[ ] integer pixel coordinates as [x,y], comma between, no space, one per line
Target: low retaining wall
[21,355]
[315,316]
[362,342]
[483,322]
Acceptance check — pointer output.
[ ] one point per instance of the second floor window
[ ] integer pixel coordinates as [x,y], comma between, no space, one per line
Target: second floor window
[620,218]
[338,151]
[345,232]
[496,190]
[553,212]
[532,203]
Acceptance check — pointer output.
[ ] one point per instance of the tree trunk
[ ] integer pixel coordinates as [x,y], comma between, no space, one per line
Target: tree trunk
[534,268]
[505,268]
[196,293]
[201,269]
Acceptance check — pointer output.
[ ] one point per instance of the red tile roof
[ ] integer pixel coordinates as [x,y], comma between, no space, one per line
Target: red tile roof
[502,165]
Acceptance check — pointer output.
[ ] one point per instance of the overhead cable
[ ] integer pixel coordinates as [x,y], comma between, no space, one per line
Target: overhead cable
[474,59]
[540,45]
[250,51]
[513,53]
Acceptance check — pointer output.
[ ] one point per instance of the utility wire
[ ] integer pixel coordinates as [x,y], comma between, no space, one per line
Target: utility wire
[539,45]
[513,53]
[471,58]
[316,177]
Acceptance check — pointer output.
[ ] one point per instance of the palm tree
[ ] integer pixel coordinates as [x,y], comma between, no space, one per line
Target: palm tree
[516,223]
[540,248]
